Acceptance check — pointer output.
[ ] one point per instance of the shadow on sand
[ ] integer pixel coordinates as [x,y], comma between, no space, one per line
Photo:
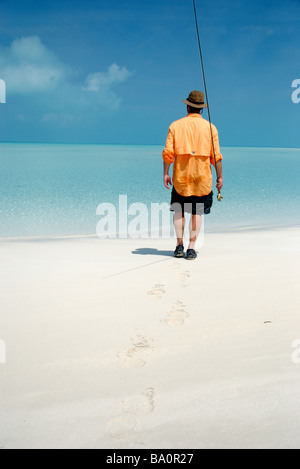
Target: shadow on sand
[153,252]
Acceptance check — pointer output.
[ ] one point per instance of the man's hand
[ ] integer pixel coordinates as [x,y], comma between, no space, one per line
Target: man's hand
[219,184]
[167,181]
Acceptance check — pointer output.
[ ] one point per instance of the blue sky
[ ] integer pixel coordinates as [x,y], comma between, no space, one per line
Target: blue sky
[112,71]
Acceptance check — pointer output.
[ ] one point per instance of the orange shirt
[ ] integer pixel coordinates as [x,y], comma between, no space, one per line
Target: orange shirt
[190,148]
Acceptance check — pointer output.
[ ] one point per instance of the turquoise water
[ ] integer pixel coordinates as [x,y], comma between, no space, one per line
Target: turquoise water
[48,190]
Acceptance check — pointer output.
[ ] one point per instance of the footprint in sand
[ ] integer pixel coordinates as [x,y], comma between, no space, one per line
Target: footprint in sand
[140,404]
[136,355]
[184,278]
[177,316]
[122,426]
[132,407]
[157,291]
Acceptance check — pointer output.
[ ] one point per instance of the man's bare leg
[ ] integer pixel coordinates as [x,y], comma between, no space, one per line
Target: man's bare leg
[179,226]
[195,228]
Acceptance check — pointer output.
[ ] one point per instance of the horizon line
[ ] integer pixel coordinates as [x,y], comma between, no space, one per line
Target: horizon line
[137,144]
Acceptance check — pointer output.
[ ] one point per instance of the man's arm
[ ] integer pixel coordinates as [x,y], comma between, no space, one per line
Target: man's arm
[219,169]
[216,158]
[167,179]
[168,157]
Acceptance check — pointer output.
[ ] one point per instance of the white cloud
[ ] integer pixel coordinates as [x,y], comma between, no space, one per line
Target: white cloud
[25,79]
[114,75]
[30,68]
[31,50]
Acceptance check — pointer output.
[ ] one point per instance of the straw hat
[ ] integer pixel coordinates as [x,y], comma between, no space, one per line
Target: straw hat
[195,99]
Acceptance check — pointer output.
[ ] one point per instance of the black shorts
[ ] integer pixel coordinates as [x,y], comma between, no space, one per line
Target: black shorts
[194,204]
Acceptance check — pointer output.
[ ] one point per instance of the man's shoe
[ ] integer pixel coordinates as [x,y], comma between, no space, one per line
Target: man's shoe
[191,254]
[179,251]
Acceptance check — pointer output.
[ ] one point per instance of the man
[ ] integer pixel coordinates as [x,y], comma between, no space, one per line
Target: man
[189,146]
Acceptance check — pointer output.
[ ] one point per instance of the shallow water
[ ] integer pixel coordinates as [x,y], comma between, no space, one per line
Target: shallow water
[48,190]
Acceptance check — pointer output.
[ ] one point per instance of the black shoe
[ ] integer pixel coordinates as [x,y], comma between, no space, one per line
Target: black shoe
[179,251]
[191,254]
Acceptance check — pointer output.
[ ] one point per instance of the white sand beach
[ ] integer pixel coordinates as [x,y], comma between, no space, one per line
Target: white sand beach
[116,344]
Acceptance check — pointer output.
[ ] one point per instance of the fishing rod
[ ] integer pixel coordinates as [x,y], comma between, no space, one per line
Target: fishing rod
[206,94]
